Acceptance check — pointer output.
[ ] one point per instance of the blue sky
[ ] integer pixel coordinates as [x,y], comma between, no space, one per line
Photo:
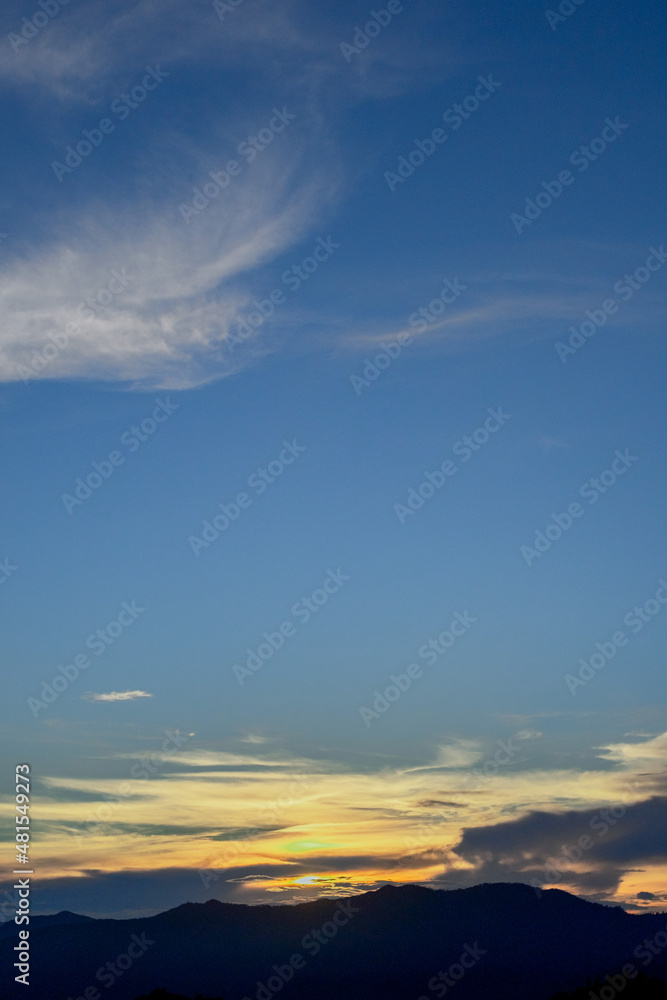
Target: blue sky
[172,288]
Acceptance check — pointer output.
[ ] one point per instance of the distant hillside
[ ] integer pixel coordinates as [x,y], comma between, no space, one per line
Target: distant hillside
[492,942]
[8,929]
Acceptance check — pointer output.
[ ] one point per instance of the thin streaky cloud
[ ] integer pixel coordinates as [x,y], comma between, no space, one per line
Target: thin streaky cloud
[115,695]
[88,49]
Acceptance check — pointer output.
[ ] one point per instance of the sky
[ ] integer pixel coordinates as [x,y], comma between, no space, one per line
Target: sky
[331,364]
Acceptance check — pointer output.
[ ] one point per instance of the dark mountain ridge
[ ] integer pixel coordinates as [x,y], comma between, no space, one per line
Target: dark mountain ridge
[498,941]
[9,928]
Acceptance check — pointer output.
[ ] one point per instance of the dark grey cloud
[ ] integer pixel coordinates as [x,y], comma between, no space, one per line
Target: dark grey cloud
[165,830]
[437,803]
[548,848]
[424,858]
[634,834]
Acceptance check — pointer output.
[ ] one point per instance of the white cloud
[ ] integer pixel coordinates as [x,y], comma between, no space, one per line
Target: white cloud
[648,751]
[166,327]
[456,755]
[71,60]
[115,696]
[91,47]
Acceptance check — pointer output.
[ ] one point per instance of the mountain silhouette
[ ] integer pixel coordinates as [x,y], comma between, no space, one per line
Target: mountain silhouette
[640,988]
[164,995]
[496,941]
[9,929]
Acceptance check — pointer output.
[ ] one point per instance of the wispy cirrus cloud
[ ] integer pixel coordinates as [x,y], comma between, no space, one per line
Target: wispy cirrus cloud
[183,285]
[88,47]
[187,280]
[190,283]
[115,696]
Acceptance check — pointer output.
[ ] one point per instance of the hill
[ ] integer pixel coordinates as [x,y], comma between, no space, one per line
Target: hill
[499,941]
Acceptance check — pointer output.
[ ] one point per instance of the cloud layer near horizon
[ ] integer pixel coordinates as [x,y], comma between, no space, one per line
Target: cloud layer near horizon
[295,827]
